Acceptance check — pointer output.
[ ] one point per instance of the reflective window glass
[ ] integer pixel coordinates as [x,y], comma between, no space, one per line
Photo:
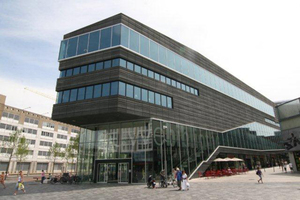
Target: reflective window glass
[73,96]
[169,102]
[144,95]
[178,85]
[105,39]
[170,59]
[168,81]
[196,92]
[62,74]
[89,92]
[150,74]
[134,41]
[129,90]
[72,46]
[137,69]
[122,88]
[137,93]
[174,83]
[187,88]
[116,35]
[164,100]
[162,55]
[97,91]
[107,64]
[66,96]
[91,67]
[151,97]
[153,50]
[162,78]
[99,65]
[76,71]
[157,99]
[183,86]
[83,69]
[144,71]
[62,51]
[144,46]
[123,63]
[81,93]
[114,88]
[130,66]
[192,90]
[94,41]
[156,75]
[82,44]
[105,89]
[69,72]
[116,62]
[124,36]
[59,97]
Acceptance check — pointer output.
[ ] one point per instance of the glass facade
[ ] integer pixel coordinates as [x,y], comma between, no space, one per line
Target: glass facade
[121,35]
[155,145]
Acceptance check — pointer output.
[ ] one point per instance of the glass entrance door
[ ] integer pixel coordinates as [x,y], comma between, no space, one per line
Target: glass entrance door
[102,173]
[112,173]
[123,173]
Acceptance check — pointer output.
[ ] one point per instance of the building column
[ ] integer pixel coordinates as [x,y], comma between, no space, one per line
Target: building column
[292,160]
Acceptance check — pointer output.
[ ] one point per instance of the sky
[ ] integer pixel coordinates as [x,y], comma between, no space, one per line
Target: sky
[256,41]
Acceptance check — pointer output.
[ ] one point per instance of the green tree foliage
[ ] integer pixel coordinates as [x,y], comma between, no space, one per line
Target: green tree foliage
[72,150]
[22,149]
[54,153]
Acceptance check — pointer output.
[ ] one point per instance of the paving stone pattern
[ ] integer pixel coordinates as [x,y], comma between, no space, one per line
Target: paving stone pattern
[277,185]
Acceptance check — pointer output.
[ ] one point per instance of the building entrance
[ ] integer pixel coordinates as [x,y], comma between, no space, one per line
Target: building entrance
[113,171]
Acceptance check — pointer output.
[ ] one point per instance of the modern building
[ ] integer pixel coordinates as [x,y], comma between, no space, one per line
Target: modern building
[41,133]
[289,118]
[146,102]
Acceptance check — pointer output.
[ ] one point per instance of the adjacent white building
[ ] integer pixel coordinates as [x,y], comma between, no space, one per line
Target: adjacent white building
[41,133]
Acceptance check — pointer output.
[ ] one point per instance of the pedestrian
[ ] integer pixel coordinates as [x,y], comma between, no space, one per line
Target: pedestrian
[43,177]
[259,174]
[179,178]
[291,166]
[20,183]
[2,179]
[285,166]
[184,181]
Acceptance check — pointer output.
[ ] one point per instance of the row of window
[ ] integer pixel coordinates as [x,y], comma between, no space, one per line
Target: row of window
[47,134]
[29,130]
[62,145]
[31,121]
[30,141]
[48,124]
[8,127]
[146,47]
[44,153]
[114,88]
[130,66]
[4,138]
[75,131]
[64,137]
[6,150]
[11,116]
[45,143]
[63,128]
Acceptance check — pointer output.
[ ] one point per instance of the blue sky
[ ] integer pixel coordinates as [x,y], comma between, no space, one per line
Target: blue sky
[256,41]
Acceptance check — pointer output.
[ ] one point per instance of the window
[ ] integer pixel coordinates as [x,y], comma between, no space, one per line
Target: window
[75,131]
[4,138]
[169,102]
[116,62]
[107,64]
[151,97]
[30,142]
[153,50]
[64,137]
[144,71]
[122,88]
[62,145]
[134,41]
[106,89]
[45,143]
[130,66]
[29,130]
[4,114]
[91,67]
[137,93]
[81,93]
[173,83]
[163,100]
[31,121]
[94,41]
[156,76]
[137,69]
[150,74]
[42,166]
[144,46]
[82,44]
[83,69]
[183,86]
[99,65]
[162,55]
[63,47]
[73,95]
[192,90]
[76,71]
[47,134]
[116,35]
[162,78]
[89,92]
[48,124]
[62,128]
[123,63]
[105,40]
[62,74]
[125,36]
[178,85]
[114,88]
[72,46]
[168,81]
[42,153]
[157,99]
[97,91]
[187,88]
[66,96]
[129,90]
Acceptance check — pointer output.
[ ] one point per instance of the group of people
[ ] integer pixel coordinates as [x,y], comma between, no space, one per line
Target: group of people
[182,179]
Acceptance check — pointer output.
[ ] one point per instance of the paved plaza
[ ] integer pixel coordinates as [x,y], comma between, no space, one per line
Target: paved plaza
[277,185]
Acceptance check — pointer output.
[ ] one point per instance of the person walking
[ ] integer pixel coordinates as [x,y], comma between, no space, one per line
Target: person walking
[285,166]
[43,177]
[20,183]
[184,181]
[2,179]
[291,167]
[179,178]
[259,174]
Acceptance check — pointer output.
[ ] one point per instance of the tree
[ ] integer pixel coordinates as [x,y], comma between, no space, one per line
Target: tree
[11,144]
[54,153]
[72,149]
[22,149]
